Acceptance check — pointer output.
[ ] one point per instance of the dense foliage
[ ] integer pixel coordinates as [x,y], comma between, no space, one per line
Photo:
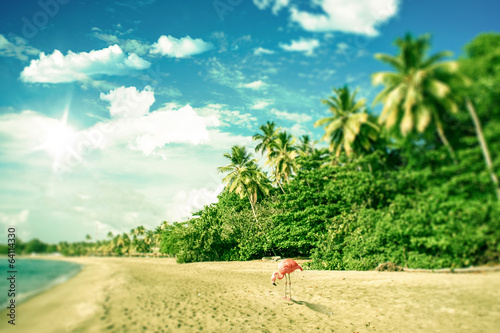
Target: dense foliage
[32,246]
[347,217]
[417,195]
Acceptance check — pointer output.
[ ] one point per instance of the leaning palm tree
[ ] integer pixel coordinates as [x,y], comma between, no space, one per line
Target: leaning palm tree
[475,54]
[282,158]
[244,176]
[269,133]
[483,145]
[343,130]
[418,92]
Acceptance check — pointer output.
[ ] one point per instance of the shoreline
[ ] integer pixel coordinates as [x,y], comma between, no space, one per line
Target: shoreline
[155,294]
[55,300]
[59,280]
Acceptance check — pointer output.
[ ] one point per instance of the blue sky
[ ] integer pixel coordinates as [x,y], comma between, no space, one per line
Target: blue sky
[115,114]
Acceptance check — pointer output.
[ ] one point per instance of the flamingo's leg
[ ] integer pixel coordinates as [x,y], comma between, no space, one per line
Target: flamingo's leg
[290,277]
[286,281]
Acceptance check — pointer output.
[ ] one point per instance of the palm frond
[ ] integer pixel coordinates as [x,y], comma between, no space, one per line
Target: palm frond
[390,60]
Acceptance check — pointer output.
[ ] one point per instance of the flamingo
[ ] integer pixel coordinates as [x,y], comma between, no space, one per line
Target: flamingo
[285,267]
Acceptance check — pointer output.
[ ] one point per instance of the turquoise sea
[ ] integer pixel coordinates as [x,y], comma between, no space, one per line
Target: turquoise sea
[34,276]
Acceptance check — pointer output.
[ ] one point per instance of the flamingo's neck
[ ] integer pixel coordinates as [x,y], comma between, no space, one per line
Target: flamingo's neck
[280,277]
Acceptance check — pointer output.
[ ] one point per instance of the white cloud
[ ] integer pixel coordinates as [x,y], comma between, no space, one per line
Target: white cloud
[360,17]
[342,47]
[180,48]
[93,198]
[306,45]
[221,37]
[127,45]
[56,67]
[175,124]
[316,74]
[277,4]
[350,52]
[255,85]
[187,202]
[298,130]
[224,140]
[150,132]
[228,117]
[260,104]
[156,129]
[296,117]
[223,74]
[16,49]
[135,46]
[23,132]
[260,50]
[129,102]
[108,38]
[29,131]
[15,219]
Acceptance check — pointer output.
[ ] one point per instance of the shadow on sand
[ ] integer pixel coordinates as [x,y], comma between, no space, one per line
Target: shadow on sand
[315,307]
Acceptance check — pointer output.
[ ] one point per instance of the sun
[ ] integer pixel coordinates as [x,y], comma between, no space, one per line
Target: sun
[59,138]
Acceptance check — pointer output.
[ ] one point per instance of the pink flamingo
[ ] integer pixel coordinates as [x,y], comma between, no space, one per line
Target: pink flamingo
[285,267]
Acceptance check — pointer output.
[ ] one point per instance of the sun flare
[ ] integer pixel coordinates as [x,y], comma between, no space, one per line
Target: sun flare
[58,140]
[59,137]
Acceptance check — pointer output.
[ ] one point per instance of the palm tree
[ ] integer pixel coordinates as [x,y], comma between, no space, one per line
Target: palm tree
[158,233]
[164,225]
[282,156]
[120,243]
[111,246]
[343,130]
[150,239]
[269,133]
[418,91]
[244,176]
[127,244]
[140,230]
[306,146]
[138,239]
[480,66]
[101,249]
[483,144]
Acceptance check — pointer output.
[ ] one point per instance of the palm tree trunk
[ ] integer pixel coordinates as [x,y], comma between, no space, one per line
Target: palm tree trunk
[282,190]
[484,146]
[445,142]
[253,211]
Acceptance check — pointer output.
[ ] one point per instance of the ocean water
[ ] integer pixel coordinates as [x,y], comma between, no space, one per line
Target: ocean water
[34,276]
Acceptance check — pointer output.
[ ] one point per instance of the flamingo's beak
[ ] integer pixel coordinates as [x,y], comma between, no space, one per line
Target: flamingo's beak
[274,283]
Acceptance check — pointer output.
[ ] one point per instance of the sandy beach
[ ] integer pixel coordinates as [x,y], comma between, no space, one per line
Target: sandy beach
[158,295]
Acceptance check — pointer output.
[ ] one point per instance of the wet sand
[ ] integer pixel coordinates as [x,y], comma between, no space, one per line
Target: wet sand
[158,295]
